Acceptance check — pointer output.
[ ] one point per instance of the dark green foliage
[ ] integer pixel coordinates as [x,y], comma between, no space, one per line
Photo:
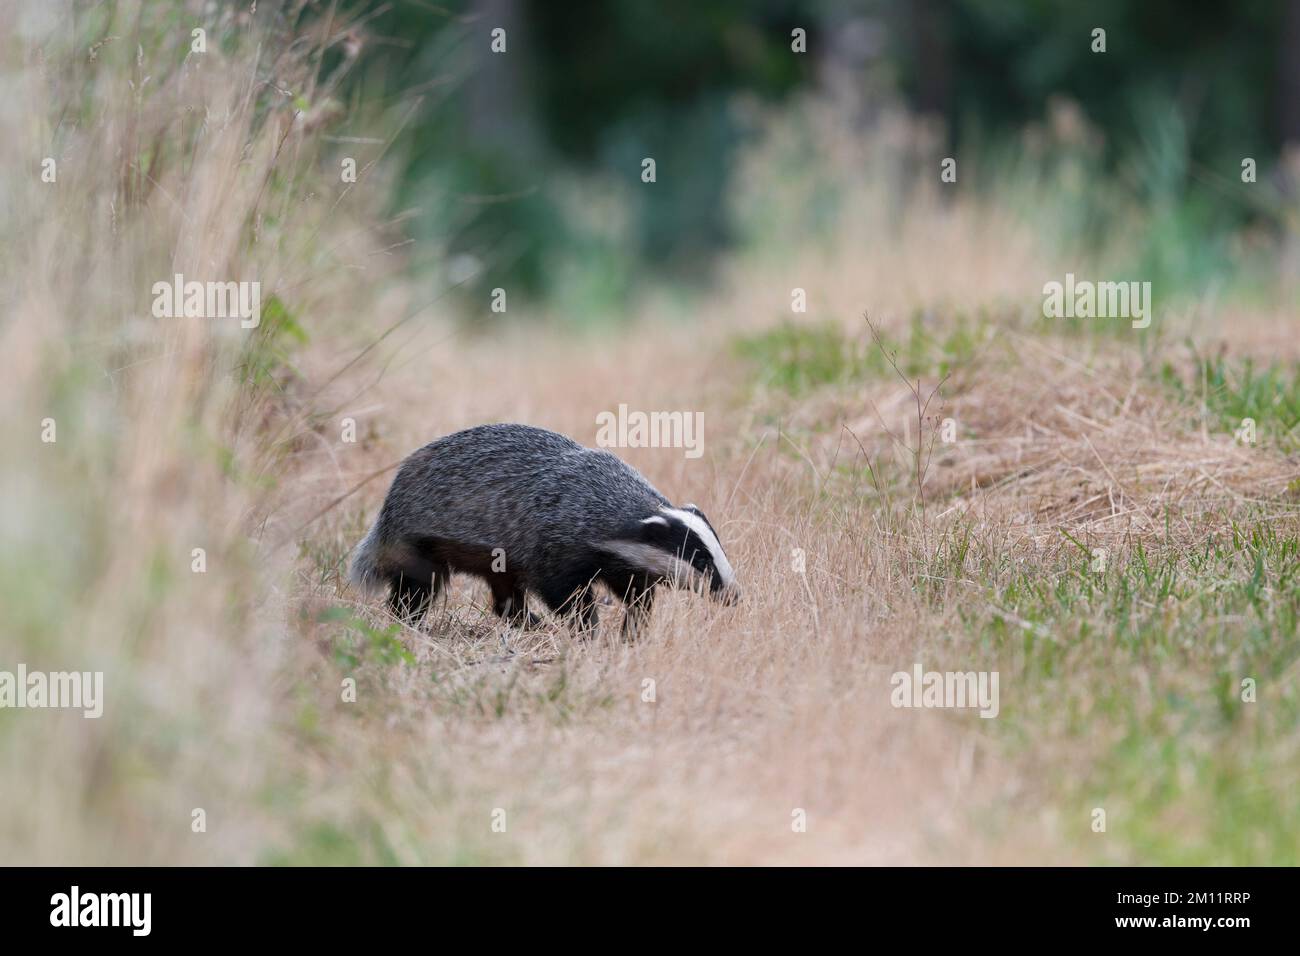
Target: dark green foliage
[500,143]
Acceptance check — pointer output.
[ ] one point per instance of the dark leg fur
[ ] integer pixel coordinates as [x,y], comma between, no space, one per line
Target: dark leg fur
[509,599]
[640,602]
[637,591]
[510,602]
[581,612]
[414,586]
[409,597]
[572,599]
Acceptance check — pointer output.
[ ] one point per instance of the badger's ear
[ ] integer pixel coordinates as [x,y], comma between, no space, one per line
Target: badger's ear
[658,531]
[645,531]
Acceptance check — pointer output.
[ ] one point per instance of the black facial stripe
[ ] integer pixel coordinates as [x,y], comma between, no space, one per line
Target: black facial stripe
[694,551]
[677,539]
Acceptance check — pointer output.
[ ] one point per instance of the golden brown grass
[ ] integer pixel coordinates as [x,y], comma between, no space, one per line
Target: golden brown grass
[783,702]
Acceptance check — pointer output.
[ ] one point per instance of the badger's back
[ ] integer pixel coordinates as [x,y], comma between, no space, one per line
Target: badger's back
[539,496]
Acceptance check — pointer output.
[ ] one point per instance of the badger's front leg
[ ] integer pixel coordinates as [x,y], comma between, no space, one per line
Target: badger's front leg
[577,606]
[510,603]
[580,610]
[636,616]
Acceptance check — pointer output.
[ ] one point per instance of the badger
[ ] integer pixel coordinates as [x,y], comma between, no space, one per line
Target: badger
[533,512]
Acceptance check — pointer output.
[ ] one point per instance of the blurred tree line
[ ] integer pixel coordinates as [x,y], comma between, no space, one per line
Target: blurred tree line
[496,152]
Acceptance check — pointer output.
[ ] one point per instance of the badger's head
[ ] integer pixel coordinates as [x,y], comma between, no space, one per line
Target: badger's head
[680,546]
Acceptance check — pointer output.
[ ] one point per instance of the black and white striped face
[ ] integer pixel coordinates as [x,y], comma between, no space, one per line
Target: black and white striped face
[685,549]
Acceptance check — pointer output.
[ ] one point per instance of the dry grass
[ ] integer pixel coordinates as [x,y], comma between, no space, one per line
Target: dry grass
[166,161]
[783,702]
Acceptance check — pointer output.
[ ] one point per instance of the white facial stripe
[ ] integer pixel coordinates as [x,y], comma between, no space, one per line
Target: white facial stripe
[652,559]
[701,528]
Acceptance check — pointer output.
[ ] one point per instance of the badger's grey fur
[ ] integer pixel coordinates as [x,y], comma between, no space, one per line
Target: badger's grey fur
[531,511]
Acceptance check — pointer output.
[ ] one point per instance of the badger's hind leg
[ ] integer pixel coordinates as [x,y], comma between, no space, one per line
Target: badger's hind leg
[414,586]
[409,598]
